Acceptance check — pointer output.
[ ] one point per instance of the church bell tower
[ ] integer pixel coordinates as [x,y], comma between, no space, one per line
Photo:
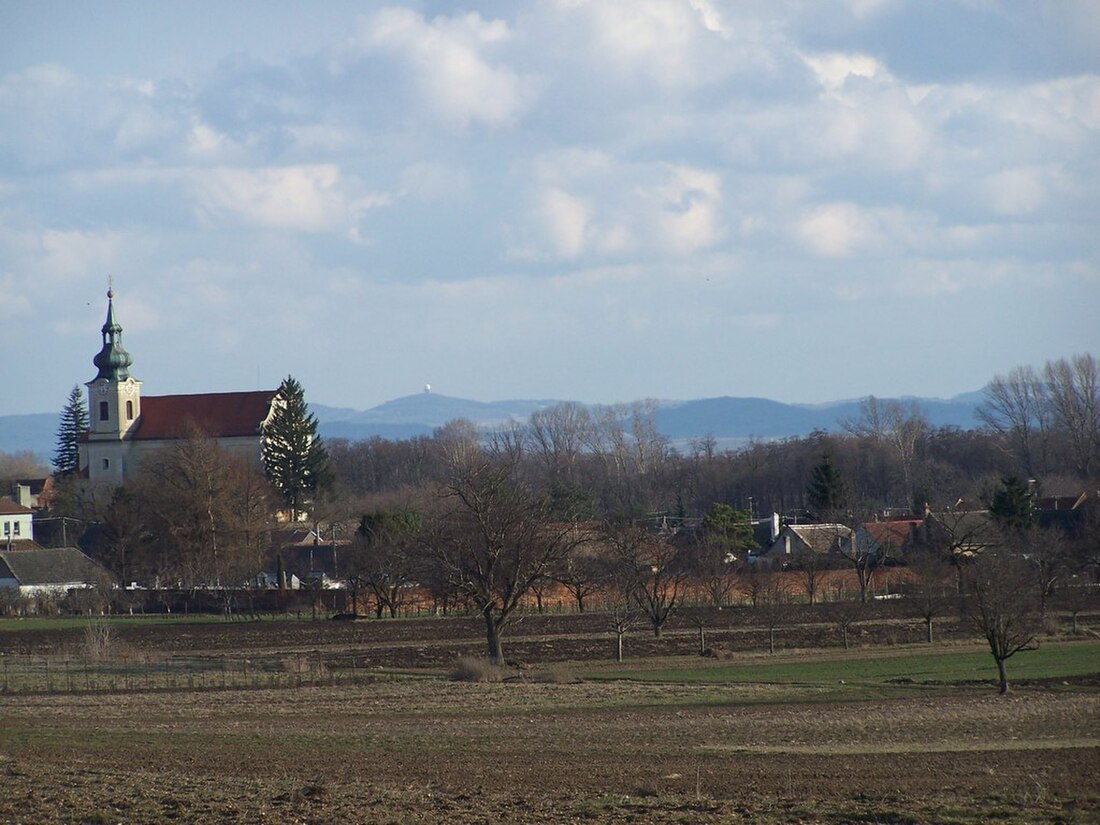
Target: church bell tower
[114,403]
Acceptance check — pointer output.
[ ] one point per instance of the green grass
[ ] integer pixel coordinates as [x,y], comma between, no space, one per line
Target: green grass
[1050,661]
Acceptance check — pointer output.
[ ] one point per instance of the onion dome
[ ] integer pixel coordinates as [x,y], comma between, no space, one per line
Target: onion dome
[113,361]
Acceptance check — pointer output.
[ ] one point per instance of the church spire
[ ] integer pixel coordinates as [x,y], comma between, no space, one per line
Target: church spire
[112,360]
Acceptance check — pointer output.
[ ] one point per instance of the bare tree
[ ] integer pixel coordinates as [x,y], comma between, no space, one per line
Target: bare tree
[772,603]
[621,619]
[583,572]
[1017,408]
[1000,603]
[492,539]
[651,570]
[810,568]
[845,612]
[385,557]
[558,436]
[901,425]
[1074,391]
[929,591]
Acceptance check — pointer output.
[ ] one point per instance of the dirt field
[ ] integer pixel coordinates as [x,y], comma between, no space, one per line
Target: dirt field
[538,749]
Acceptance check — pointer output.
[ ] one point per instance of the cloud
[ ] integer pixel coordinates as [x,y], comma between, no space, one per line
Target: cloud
[448,60]
[835,230]
[586,203]
[306,198]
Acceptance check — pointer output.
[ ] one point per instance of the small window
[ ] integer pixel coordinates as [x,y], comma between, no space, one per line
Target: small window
[15,530]
[129,410]
[104,411]
[7,528]
[106,464]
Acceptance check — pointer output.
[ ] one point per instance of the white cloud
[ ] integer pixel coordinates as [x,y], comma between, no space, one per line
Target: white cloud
[451,70]
[833,70]
[835,230]
[566,219]
[306,198]
[690,209]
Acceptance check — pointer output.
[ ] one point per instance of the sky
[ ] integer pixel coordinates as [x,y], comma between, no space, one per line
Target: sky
[596,201]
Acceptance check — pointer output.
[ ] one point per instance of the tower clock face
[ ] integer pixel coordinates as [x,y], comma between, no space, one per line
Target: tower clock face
[101,389]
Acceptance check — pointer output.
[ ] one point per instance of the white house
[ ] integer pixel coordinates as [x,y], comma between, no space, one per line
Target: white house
[16,522]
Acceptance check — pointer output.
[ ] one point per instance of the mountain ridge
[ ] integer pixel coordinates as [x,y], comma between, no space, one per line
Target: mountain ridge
[728,419]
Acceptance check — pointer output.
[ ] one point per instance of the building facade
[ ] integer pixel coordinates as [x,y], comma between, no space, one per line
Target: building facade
[125,427]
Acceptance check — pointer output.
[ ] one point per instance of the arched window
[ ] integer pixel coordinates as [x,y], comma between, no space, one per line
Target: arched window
[104,411]
[129,410]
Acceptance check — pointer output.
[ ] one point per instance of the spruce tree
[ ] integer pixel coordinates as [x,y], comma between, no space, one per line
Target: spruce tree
[71,426]
[294,458]
[1012,506]
[826,494]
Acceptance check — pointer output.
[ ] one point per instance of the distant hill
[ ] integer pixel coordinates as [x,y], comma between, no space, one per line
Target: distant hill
[729,420]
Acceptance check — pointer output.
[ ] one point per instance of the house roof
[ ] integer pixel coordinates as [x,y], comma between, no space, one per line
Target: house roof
[218,415]
[10,508]
[892,532]
[821,538]
[57,565]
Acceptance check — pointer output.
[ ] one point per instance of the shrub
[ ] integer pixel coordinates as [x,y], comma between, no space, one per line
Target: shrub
[555,674]
[99,641]
[473,669]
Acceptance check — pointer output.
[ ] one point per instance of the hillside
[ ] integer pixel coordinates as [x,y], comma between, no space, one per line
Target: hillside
[729,420]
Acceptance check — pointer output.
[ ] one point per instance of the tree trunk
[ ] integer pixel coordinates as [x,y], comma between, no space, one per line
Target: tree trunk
[492,637]
[771,640]
[702,641]
[844,635]
[1003,688]
[657,629]
[928,624]
[619,646]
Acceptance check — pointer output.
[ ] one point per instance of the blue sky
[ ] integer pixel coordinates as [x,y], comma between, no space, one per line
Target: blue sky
[599,201]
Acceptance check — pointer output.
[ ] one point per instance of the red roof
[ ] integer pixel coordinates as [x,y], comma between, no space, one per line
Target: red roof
[217,414]
[10,508]
[891,532]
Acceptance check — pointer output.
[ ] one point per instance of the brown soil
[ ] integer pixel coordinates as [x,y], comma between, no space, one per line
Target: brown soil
[433,751]
[425,750]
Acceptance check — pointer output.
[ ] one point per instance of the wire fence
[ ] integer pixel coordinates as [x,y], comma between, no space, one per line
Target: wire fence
[29,674]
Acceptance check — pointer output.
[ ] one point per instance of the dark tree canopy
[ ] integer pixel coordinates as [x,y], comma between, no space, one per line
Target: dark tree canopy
[73,424]
[827,492]
[1012,506]
[295,460]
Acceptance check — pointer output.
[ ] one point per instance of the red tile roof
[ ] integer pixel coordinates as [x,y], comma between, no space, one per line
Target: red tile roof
[10,508]
[217,414]
[892,532]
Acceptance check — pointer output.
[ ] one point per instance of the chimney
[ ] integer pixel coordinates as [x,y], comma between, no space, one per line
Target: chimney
[775,526]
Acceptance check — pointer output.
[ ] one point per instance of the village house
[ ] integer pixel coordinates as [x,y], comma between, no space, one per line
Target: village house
[48,571]
[16,522]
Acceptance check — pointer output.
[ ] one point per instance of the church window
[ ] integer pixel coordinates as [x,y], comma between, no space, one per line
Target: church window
[104,411]
[129,410]
[106,464]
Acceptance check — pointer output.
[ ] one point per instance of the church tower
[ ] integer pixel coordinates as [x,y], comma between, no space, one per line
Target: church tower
[114,403]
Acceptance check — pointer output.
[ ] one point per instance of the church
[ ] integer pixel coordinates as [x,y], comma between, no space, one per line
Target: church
[124,427]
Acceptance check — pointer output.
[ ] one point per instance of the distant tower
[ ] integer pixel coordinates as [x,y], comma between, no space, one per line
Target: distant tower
[427,388]
[114,403]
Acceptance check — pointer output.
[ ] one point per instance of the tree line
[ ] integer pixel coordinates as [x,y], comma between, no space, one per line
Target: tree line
[590,499]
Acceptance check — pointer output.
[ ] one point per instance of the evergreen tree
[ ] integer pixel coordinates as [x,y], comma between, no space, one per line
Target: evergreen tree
[294,458]
[826,494]
[729,528]
[72,425]
[1012,506]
